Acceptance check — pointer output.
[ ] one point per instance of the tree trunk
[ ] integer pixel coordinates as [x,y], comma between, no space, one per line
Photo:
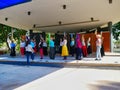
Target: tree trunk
[7,44]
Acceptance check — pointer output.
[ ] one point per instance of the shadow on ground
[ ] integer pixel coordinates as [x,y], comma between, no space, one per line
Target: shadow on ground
[105,85]
[13,76]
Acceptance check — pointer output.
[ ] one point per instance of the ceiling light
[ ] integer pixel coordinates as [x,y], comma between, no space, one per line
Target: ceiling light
[110,1]
[60,22]
[29,13]
[92,19]
[64,6]
[34,25]
[6,19]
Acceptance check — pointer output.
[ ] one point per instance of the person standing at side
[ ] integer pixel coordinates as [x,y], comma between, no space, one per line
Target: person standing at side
[12,46]
[98,46]
[61,44]
[41,48]
[45,52]
[33,46]
[64,49]
[72,46]
[84,48]
[29,50]
[89,48]
[22,48]
[52,49]
[102,46]
[78,47]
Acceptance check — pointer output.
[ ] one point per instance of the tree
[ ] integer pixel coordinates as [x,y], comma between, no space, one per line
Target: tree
[116,30]
[6,31]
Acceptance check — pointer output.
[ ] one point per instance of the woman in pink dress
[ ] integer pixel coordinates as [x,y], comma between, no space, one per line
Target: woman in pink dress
[78,47]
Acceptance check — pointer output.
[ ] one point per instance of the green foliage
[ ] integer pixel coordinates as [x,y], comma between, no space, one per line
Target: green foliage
[6,31]
[3,44]
[115,29]
[118,42]
[18,44]
[18,33]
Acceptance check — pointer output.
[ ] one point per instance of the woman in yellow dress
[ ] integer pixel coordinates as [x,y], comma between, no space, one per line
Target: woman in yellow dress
[64,49]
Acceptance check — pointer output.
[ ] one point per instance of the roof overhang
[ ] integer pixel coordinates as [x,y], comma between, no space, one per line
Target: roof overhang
[51,16]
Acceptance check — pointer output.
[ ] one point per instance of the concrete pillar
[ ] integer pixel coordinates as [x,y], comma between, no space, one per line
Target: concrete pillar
[111,36]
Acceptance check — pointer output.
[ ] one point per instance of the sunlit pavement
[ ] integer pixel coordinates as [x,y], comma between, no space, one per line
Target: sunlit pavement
[89,75]
[14,77]
[77,79]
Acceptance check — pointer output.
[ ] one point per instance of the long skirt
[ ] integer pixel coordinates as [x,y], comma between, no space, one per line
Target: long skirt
[45,51]
[72,50]
[35,49]
[102,51]
[22,50]
[78,53]
[13,53]
[60,50]
[52,53]
[64,50]
[89,50]
[84,50]
[41,53]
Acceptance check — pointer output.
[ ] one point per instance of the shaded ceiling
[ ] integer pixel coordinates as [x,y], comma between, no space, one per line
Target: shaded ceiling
[50,16]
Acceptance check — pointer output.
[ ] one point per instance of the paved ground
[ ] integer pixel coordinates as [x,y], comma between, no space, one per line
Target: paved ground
[77,79]
[111,59]
[13,77]
[82,77]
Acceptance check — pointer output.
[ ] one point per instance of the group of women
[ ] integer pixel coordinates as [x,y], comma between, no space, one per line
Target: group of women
[78,46]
